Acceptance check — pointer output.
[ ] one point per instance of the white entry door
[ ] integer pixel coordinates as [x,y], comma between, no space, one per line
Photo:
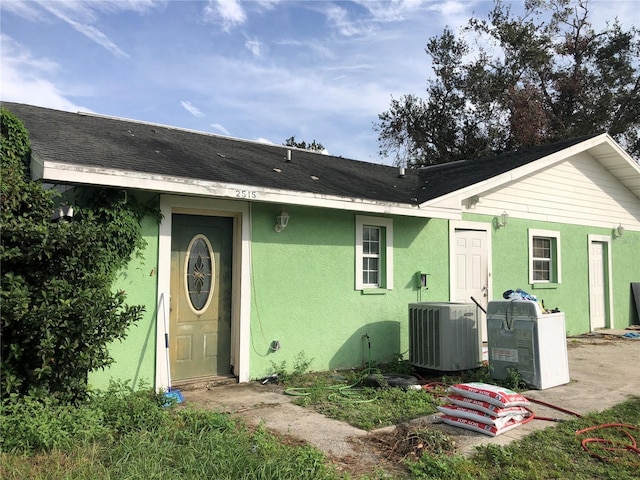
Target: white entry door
[470,270]
[597,285]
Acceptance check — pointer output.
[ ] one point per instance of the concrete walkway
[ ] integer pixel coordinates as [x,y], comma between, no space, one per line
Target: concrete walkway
[604,371]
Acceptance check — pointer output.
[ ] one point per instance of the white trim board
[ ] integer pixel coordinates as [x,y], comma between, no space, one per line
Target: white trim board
[241,292]
[607,241]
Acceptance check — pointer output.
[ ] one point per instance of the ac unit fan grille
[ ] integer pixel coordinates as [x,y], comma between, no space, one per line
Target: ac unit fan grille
[444,336]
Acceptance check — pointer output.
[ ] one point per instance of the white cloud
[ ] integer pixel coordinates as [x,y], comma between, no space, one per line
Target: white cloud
[254,46]
[25,79]
[338,18]
[193,110]
[24,9]
[227,12]
[220,128]
[80,15]
[315,46]
[89,31]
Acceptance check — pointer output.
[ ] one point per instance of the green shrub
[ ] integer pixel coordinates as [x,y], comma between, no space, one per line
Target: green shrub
[59,313]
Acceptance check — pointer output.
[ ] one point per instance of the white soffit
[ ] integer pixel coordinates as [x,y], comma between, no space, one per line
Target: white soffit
[619,163]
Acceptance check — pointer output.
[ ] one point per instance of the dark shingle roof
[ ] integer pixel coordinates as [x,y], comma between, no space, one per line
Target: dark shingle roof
[112,143]
[439,180]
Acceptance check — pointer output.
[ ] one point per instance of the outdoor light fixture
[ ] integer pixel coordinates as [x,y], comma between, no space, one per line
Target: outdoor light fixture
[282,221]
[502,220]
[62,213]
[618,231]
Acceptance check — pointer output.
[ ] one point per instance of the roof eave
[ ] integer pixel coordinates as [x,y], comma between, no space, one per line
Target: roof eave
[65,173]
[627,171]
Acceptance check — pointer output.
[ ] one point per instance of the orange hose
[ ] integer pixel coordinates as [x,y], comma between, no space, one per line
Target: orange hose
[616,446]
[555,407]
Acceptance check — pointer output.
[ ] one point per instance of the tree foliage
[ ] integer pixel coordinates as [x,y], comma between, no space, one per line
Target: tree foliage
[58,311]
[532,79]
[314,146]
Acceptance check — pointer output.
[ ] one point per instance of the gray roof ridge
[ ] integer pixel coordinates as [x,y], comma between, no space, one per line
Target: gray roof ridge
[445,164]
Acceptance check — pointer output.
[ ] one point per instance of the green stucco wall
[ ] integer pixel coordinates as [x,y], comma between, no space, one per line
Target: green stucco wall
[571,296]
[304,289]
[304,295]
[135,356]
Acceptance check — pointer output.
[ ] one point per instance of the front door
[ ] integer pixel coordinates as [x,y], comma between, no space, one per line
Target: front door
[597,284]
[471,277]
[200,318]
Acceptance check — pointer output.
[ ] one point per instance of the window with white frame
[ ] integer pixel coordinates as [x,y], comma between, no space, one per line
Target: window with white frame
[374,253]
[544,256]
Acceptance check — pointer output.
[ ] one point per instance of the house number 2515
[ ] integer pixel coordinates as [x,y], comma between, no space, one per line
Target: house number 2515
[246,194]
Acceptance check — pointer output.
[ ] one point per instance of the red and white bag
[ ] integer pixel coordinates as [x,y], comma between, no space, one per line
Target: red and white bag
[493,394]
[491,430]
[485,407]
[481,417]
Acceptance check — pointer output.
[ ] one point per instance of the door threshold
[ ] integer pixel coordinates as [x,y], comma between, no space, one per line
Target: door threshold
[202,383]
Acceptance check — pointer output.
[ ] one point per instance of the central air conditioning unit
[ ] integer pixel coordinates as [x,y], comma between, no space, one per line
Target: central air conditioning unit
[444,336]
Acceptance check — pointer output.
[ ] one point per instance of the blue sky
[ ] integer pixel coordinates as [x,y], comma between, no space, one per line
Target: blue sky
[259,70]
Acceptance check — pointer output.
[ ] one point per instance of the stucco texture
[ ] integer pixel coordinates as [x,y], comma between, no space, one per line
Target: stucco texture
[571,295]
[304,290]
[135,356]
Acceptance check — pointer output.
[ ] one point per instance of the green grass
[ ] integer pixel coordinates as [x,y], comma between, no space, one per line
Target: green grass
[125,434]
[369,408]
[339,395]
[554,452]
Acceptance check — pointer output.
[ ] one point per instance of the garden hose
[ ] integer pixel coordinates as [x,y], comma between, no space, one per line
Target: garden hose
[337,393]
[612,446]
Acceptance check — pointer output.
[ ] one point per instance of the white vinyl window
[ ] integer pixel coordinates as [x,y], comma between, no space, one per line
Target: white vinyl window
[374,253]
[371,239]
[544,256]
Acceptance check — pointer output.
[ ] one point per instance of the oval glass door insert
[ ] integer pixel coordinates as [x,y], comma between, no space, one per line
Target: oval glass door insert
[198,271]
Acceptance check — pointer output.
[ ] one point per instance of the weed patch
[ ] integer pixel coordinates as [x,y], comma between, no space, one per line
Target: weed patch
[129,434]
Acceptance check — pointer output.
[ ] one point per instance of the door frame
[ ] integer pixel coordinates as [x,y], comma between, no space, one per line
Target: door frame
[467,225]
[241,287]
[608,278]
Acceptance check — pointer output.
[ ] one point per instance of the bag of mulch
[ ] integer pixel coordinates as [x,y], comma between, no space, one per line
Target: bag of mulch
[485,407]
[493,394]
[491,430]
[481,417]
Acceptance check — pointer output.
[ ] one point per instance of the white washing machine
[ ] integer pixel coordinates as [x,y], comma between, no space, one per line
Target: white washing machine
[520,336]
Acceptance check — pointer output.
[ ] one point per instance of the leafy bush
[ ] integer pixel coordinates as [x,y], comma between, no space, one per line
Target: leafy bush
[30,424]
[58,311]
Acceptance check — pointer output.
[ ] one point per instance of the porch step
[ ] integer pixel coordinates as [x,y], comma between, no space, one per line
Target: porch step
[204,383]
